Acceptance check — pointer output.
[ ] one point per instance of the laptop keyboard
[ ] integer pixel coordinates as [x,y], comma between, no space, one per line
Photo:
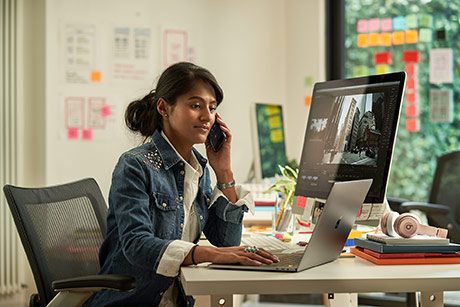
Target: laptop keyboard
[267,242]
[287,260]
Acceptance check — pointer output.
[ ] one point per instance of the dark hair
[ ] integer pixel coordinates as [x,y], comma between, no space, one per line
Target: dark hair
[142,115]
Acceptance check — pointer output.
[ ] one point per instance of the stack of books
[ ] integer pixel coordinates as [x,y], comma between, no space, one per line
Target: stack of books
[383,249]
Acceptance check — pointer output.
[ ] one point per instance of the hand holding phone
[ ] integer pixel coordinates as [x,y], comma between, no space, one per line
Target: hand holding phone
[216,137]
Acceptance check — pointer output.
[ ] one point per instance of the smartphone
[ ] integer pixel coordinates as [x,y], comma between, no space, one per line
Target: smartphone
[216,137]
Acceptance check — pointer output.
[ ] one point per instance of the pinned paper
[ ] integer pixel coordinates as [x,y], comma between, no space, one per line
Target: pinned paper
[399,23]
[382,69]
[363,40]
[412,110]
[95,76]
[374,39]
[425,35]
[426,21]
[412,124]
[385,39]
[386,24]
[87,134]
[360,70]
[301,201]
[307,101]
[72,133]
[411,70]
[411,21]
[411,97]
[106,111]
[374,24]
[382,58]
[411,84]
[411,56]
[362,26]
[411,36]
[398,38]
[441,65]
[441,106]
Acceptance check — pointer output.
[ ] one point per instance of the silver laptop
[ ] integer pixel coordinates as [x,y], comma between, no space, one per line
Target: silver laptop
[329,235]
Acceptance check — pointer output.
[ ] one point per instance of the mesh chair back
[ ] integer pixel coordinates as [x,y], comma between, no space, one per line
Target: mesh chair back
[445,189]
[61,228]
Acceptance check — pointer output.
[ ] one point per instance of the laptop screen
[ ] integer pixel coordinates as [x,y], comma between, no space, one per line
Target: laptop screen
[350,134]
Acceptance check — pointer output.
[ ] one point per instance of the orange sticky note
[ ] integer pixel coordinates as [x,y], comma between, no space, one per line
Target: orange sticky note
[374,39]
[412,110]
[385,39]
[411,36]
[307,101]
[398,37]
[106,111]
[95,76]
[87,134]
[412,124]
[363,40]
[72,133]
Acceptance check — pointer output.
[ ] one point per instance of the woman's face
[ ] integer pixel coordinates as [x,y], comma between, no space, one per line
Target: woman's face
[191,118]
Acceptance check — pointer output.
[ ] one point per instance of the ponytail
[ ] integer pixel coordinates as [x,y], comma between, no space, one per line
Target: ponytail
[142,115]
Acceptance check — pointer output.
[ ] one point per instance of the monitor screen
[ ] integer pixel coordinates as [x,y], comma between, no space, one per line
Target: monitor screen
[350,134]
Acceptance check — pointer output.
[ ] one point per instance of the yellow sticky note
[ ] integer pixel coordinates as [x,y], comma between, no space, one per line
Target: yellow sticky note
[363,40]
[381,69]
[307,101]
[374,39]
[271,110]
[385,39]
[276,136]
[95,76]
[398,37]
[411,36]
[274,122]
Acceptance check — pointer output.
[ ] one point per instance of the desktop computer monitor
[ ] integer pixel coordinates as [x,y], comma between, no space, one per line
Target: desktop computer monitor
[350,135]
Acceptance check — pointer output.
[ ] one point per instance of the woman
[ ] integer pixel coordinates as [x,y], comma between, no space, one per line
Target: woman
[161,197]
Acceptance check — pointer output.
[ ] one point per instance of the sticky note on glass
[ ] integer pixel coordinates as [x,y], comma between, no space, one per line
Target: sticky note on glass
[386,24]
[411,97]
[87,134]
[374,24]
[441,65]
[398,37]
[411,83]
[399,23]
[363,40]
[412,124]
[106,111]
[411,70]
[274,122]
[360,70]
[362,26]
[411,21]
[374,39]
[308,81]
[307,101]
[382,58]
[95,76]
[411,56]
[276,136]
[271,110]
[385,39]
[411,36]
[426,21]
[412,110]
[382,69]
[441,106]
[425,35]
[72,133]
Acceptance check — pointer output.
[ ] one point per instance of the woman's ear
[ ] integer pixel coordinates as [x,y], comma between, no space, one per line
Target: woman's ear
[162,107]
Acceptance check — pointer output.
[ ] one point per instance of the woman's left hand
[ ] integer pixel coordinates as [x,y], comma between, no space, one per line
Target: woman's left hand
[220,160]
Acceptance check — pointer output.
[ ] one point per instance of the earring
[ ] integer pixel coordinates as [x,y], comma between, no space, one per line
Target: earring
[166,115]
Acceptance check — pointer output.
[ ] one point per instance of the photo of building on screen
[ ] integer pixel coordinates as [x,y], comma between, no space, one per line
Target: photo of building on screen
[351,132]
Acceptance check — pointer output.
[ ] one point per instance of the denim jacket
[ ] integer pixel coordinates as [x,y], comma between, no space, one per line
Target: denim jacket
[146,214]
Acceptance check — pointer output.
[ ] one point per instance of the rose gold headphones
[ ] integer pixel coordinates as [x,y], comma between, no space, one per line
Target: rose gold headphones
[408,225]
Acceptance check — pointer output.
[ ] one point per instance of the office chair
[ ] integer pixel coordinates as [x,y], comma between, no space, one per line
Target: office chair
[443,206]
[61,228]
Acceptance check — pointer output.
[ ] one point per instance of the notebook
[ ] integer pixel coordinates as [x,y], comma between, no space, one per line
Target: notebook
[329,235]
[384,248]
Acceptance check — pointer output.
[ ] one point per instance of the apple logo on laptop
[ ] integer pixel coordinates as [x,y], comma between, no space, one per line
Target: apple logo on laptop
[338,222]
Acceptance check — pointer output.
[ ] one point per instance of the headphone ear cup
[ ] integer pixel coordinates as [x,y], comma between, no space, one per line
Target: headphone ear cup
[392,216]
[383,223]
[406,225]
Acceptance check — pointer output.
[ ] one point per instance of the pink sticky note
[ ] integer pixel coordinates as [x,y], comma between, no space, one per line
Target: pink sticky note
[412,124]
[72,133]
[374,25]
[386,24]
[106,111]
[362,26]
[412,110]
[301,201]
[87,134]
[410,83]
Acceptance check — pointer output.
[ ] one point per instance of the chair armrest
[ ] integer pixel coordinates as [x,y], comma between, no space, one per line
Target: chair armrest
[426,207]
[395,203]
[108,281]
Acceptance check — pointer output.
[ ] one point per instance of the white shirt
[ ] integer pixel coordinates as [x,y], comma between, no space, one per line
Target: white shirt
[177,250]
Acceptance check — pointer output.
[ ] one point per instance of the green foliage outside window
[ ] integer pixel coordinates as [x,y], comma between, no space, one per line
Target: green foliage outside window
[415,153]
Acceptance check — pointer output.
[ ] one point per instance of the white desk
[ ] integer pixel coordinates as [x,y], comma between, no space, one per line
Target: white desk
[353,275]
